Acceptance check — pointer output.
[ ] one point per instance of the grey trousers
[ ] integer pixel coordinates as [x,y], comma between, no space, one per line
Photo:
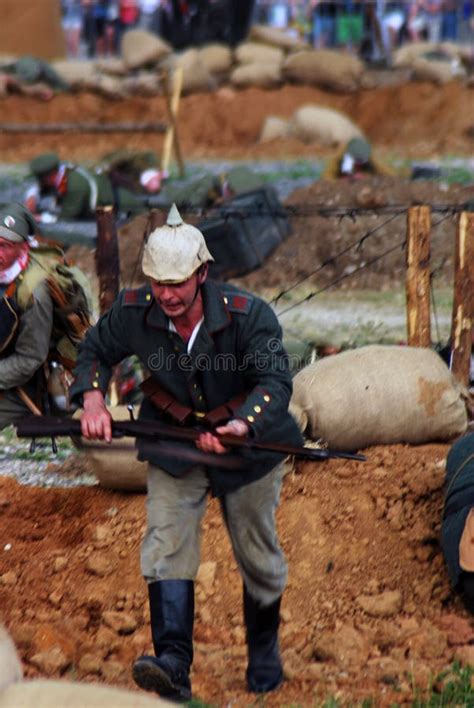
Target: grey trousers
[175,507]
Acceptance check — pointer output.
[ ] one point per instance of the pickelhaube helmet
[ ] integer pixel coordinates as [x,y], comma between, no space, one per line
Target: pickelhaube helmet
[173,252]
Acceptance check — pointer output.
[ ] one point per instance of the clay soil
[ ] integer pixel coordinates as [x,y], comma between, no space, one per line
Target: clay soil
[417,119]
[368,612]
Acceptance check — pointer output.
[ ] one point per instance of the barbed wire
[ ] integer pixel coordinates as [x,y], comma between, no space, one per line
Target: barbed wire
[344,276]
[355,244]
[306,210]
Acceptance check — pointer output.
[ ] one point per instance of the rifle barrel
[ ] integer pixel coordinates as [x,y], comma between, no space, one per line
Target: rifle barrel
[47,426]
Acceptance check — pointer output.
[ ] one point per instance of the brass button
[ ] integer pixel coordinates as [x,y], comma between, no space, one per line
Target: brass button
[148,297]
[199,414]
[226,301]
[200,398]
[250,419]
[266,398]
[257,409]
[95,384]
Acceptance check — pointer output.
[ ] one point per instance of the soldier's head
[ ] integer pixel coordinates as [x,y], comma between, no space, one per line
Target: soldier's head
[360,150]
[45,168]
[17,225]
[151,181]
[175,260]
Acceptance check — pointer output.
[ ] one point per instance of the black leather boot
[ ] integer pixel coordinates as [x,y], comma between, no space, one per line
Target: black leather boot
[172,618]
[264,671]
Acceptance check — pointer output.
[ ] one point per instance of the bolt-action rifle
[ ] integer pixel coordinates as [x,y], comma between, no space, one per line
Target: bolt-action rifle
[156,436]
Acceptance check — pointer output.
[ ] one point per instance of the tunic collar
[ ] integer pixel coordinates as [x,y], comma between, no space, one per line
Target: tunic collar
[216,314]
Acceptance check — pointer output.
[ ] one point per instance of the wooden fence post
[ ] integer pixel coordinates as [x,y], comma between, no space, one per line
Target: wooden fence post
[463,300]
[107,257]
[418,276]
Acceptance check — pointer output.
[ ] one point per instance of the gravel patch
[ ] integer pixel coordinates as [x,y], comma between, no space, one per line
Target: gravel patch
[42,467]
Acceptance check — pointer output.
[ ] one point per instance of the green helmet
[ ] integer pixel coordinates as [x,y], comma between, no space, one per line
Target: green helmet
[44,164]
[359,149]
[16,223]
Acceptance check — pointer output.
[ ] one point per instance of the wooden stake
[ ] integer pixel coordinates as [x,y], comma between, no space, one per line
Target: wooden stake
[463,300]
[171,137]
[418,276]
[107,257]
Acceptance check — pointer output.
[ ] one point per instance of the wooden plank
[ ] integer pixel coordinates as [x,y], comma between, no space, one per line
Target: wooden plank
[462,326]
[418,277]
[172,138]
[107,257]
[124,127]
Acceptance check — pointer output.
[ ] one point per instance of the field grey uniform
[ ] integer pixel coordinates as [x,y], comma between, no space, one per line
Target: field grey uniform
[24,352]
[233,361]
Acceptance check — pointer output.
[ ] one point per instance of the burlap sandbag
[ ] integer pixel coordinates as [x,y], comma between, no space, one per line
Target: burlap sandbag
[404,56]
[145,83]
[325,126]
[274,37]
[66,694]
[112,65]
[261,75]
[439,72]
[10,664]
[140,48]
[217,58]
[115,468]
[74,72]
[253,53]
[195,75]
[380,395]
[274,128]
[109,86]
[7,59]
[326,68]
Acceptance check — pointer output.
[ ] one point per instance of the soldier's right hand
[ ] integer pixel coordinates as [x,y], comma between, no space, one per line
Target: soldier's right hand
[96,421]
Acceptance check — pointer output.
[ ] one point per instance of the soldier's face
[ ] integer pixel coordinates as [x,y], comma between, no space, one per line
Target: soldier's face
[175,300]
[9,253]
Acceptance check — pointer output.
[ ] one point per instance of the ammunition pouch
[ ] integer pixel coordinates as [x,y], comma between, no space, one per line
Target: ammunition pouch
[164,402]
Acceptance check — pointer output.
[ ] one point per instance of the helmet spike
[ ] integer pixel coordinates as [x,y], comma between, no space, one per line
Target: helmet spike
[174,217]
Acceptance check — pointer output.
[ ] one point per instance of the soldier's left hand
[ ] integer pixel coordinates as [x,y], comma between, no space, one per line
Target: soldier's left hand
[208,442]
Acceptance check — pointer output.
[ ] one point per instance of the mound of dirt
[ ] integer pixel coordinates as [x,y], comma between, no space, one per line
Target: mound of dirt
[368,611]
[228,122]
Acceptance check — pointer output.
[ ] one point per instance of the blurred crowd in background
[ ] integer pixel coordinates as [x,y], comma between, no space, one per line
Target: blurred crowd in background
[371,28]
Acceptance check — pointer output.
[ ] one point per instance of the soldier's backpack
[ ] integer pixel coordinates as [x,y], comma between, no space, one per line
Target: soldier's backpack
[71,296]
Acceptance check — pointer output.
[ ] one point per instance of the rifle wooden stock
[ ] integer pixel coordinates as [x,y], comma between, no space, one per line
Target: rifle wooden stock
[154,431]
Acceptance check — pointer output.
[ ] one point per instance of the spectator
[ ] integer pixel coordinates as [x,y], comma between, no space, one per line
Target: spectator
[279,15]
[425,18]
[149,13]
[449,30]
[72,26]
[393,19]
[324,23]
[129,14]
[433,18]
[349,25]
